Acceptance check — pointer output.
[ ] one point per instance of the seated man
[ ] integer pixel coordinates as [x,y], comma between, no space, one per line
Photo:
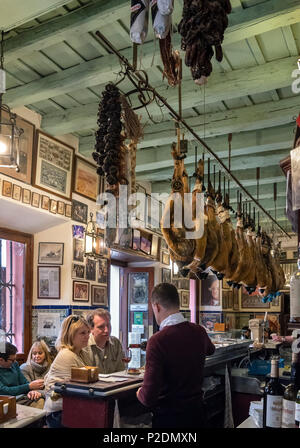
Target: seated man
[13,382]
[105,351]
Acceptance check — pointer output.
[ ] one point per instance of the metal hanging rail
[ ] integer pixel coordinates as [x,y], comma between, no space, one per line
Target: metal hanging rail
[179,119]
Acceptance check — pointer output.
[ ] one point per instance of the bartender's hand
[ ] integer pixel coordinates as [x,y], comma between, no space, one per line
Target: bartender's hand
[36,384]
[276,338]
[34,395]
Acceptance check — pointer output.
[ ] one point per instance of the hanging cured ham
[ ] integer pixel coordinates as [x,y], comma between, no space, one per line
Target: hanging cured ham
[181,249]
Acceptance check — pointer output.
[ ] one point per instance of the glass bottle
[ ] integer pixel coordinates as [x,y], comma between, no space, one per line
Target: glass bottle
[290,395]
[273,395]
[297,410]
[295,293]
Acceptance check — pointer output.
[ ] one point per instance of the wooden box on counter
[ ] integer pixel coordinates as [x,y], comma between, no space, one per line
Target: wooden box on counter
[8,408]
[87,374]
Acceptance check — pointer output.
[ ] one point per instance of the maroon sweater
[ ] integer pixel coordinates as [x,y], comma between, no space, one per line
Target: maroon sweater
[175,360]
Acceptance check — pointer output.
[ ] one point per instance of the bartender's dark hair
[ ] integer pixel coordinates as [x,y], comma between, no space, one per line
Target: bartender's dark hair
[10,349]
[166,295]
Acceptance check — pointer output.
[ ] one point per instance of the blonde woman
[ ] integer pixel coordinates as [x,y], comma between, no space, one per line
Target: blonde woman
[73,338]
[37,365]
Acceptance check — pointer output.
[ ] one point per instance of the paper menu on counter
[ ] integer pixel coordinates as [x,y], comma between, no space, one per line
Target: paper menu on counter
[110,379]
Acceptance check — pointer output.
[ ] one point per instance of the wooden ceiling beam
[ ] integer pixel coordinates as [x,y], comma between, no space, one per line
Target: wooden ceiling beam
[243,23]
[83,20]
[239,83]
[252,118]
[247,177]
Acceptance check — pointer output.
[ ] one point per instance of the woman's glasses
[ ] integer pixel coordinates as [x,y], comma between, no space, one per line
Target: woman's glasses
[73,320]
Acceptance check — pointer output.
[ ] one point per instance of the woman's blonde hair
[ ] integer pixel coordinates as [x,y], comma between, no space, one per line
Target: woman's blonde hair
[40,344]
[68,329]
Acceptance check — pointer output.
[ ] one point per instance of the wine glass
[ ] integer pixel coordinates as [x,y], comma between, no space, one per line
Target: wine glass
[127,357]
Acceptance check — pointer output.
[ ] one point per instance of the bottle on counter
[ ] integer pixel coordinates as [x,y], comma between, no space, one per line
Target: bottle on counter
[295,293]
[297,410]
[273,396]
[290,395]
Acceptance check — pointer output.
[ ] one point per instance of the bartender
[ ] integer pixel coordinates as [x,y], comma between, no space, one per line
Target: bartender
[105,351]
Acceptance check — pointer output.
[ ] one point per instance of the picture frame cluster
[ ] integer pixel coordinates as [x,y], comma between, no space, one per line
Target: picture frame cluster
[86,270]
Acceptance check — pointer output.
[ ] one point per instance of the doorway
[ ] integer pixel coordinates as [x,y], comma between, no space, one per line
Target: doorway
[137,322]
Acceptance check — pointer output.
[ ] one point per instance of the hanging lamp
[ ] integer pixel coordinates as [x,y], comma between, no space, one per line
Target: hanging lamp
[10,134]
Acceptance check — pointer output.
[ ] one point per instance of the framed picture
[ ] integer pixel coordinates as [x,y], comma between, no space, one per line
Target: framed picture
[154,246]
[125,239]
[16,193]
[225,284]
[90,270]
[146,245]
[211,294]
[100,219]
[86,179]
[235,299]
[252,300]
[102,270]
[165,258]
[26,196]
[80,291]
[166,275]
[79,211]
[78,270]
[138,284]
[163,244]
[26,150]
[35,199]
[68,210]
[45,205]
[227,299]
[208,320]
[51,253]
[78,249]
[78,231]
[136,240]
[53,206]
[53,165]
[99,295]
[185,300]
[60,207]
[99,249]
[48,282]
[6,188]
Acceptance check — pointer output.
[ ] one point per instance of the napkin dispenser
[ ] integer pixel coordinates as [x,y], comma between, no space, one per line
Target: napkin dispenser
[86,374]
[8,408]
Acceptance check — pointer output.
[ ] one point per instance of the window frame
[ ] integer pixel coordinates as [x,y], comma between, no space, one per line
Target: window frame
[28,240]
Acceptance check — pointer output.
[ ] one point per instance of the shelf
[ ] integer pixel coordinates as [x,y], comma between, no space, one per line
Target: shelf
[129,255]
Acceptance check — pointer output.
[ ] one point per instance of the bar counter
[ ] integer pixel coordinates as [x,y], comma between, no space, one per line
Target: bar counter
[92,405]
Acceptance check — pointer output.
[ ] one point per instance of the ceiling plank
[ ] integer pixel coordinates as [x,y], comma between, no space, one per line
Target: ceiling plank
[238,168]
[239,83]
[261,116]
[12,15]
[247,178]
[290,40]
[262,18]
[100,13]
[243,23]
